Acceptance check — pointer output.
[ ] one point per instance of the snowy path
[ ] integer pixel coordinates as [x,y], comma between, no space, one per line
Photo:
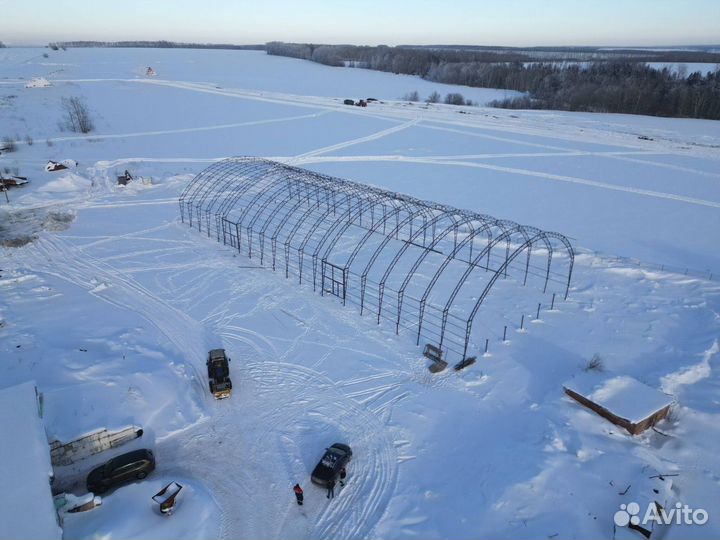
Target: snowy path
[523,172]
[433,118]
[274,404]
[54,256]
[100,136]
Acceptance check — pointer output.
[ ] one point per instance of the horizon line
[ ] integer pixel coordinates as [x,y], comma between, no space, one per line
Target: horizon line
[604,46]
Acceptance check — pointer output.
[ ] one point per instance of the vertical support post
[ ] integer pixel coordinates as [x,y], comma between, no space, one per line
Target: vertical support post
[487,342]
[345,272]
[468,328]
[552,303]
[522,322]
[505,333]
[537,316]
[400,302]
[322,280]
[420,321]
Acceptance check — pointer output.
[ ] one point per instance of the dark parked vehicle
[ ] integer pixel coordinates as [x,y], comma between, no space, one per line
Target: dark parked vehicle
[335,458]
[219,374]
[122,469]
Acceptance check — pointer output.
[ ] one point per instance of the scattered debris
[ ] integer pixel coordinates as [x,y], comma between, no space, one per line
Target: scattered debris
[465,363]
[67,503]
[166,497]
[662,476]
[594,364]
[53,166]
[645,138]
[125,178]
[150,72]
[13,181]
[622,400]
[361,103]
[38,82]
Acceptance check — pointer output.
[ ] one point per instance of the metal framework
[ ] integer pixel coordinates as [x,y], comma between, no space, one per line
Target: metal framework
[422,266]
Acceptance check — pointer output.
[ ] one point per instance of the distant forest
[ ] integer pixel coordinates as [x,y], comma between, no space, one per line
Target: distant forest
[573,79]
[156,45]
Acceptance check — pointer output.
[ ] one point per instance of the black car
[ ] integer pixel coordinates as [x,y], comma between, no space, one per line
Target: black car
[134,465]
[335,458]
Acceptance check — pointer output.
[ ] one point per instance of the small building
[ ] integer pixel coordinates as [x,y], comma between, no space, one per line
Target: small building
[27,509]
[622,400]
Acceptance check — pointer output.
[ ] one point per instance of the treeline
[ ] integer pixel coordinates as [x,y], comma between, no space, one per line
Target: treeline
[2,45]
[608,87]
[701,54]
[619,86]
[159,45]
[407,60]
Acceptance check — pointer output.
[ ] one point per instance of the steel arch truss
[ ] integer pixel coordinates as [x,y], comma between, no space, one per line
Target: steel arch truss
[402,259]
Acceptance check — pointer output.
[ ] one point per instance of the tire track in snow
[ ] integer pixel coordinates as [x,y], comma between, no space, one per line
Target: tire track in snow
[183,130]
[359,140]
[373,470]
[56,257]
[523,172]
[529,125]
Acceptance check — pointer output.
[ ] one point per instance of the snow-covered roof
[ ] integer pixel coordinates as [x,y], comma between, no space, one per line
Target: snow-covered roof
[26,504]
[621,395]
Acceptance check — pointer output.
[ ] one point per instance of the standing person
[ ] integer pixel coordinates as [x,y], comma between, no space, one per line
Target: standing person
[331,489]
[343,474]
[298,494]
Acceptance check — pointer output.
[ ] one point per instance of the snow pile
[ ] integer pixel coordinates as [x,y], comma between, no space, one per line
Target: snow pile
[38,82]
[129,512]
[24,467]
[68,183]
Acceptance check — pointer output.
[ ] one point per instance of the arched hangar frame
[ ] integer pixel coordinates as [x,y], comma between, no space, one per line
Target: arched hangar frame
[372,247]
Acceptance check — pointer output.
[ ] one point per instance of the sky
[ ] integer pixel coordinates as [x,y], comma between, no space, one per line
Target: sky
[372,22]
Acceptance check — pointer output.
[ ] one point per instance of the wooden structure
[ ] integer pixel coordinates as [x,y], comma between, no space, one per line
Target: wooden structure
[465,363]
[167,497]
[93,443]
[124,179]
[13,181]
[53,166]
[624,401]
[436,355]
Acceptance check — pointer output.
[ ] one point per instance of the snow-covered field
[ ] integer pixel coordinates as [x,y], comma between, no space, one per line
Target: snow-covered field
[114,304]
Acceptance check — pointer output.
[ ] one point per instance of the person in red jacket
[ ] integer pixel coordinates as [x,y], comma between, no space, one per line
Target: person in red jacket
[298,494]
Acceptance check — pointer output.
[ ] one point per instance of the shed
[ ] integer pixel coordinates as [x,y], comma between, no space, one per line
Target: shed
[622,400]
[26,503]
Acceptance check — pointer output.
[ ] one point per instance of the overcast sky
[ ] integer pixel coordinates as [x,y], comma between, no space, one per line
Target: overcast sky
[391,22]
